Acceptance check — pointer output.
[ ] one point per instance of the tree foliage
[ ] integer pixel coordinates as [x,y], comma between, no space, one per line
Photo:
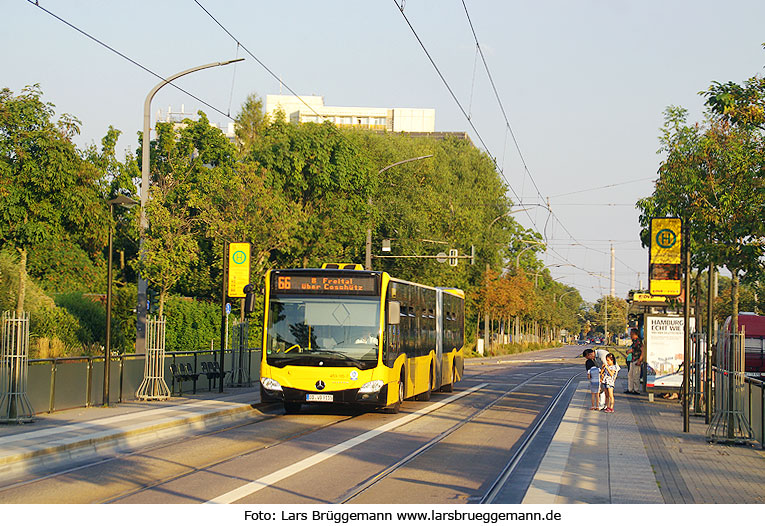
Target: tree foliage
[301,195]
[714,178]
[48,191]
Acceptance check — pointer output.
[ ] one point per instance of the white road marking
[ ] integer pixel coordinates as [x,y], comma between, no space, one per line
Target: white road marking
[273,478]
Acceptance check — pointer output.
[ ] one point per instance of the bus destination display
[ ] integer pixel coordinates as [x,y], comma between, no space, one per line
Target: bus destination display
[326,284]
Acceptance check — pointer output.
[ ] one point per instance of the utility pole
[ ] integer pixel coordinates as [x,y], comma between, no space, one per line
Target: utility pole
[486,321]
[613,272]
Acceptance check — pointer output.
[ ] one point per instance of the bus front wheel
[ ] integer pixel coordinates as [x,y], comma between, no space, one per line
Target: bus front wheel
[396,407]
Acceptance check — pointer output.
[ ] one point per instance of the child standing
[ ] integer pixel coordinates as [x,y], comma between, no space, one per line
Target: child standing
[608,374]
[593,376]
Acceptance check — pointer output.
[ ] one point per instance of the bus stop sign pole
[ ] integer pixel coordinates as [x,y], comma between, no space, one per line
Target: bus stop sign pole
[686,324]
[224,279]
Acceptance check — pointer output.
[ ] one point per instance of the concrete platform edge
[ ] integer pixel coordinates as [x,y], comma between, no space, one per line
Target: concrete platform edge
[120,439]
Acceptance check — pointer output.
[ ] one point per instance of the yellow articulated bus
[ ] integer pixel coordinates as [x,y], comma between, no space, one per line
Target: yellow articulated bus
[350,336]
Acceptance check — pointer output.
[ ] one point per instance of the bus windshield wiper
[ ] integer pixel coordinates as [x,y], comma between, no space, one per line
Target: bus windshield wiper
[344,356]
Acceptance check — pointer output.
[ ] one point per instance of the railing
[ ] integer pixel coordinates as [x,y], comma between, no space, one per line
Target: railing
[754,408]
[55,384]
[737,401]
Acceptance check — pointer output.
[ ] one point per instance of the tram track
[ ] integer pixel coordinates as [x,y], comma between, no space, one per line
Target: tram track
[177,441]
[509,466]
[495,488]
[211,465]
[271,413]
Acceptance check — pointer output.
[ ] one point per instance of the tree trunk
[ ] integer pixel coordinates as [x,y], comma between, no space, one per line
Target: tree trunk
[22,282]
[698,301]
[162,295]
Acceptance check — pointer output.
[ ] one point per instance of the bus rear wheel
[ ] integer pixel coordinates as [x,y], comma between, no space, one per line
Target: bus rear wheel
[424,397]
[448,388]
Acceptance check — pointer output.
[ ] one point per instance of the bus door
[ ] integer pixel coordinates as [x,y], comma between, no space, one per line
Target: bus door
[392,332]
[439,337]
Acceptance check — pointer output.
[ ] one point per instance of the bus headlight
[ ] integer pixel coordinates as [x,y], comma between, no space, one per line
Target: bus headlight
[270,384]
[372,387]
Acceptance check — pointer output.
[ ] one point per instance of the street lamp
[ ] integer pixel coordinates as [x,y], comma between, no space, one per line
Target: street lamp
[513,212]
[120,200]
[140,333]
[368,258]
[531,245]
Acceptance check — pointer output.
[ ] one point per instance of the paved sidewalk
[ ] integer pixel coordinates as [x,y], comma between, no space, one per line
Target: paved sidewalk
[67,435]
[639,454]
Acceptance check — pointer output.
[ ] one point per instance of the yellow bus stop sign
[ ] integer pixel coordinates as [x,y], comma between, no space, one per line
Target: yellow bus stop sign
[666,256]
[238,269]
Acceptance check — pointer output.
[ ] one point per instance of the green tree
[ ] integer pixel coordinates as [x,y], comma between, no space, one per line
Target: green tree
[612,310]
[180,156]
[321,172]
[713,178]
[48,192]
[250,122]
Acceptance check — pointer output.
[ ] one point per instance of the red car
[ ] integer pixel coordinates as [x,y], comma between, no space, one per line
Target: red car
[753,327]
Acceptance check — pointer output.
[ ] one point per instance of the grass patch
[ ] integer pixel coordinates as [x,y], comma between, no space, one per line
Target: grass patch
[510,348]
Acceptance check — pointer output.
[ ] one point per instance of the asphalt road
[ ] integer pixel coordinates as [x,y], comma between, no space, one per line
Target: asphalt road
[451,449]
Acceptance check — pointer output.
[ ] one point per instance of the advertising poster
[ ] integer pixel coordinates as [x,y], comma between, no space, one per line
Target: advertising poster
[664,351]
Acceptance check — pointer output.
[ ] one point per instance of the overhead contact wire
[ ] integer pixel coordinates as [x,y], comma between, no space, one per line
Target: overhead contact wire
[134,62]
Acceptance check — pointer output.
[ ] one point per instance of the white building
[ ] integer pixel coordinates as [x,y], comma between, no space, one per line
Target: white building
[177,118]
[312,109]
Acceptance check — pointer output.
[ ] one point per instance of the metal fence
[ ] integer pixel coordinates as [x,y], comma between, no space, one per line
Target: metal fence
[65,383]
[698,374]
[754,408]
[733,408]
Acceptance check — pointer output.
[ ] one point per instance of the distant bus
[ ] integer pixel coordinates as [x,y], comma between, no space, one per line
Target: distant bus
[753,327]
[351,336]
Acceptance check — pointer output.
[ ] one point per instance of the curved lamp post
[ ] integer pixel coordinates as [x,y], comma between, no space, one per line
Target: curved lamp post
[368,258]
[140,338]
[531,245]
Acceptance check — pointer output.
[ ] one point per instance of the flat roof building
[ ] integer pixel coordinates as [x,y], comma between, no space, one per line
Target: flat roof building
[311,108]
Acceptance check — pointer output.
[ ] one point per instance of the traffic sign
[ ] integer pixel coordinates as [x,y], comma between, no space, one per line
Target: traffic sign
[666,256]
[441,257]
[453,255]
[666,237]
[238,269]
[228,308]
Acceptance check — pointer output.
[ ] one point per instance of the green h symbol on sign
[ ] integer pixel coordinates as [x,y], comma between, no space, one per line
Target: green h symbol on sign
[666,238]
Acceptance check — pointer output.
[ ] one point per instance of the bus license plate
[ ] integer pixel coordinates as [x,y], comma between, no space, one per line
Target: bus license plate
[319,398]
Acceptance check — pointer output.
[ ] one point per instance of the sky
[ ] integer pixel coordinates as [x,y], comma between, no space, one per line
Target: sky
[583,85]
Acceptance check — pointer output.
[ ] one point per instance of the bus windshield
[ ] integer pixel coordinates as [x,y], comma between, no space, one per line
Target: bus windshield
[333,331]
